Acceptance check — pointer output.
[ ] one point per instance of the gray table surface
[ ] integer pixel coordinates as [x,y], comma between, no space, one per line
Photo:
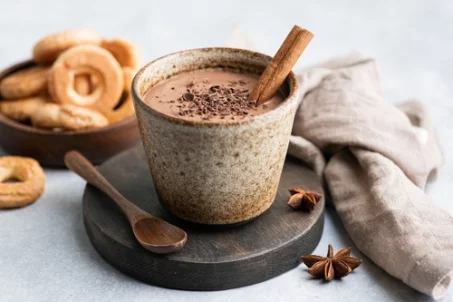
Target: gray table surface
[45,254]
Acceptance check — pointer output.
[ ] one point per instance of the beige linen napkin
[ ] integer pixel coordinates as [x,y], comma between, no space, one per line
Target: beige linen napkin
[376,159]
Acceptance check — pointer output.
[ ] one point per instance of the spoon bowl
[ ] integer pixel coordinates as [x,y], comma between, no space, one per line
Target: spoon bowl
[159,236]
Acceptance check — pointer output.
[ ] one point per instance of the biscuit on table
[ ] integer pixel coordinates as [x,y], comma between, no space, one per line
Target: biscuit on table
[29,185]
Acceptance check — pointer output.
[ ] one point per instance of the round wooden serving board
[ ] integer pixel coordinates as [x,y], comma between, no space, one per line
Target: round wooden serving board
[214,258]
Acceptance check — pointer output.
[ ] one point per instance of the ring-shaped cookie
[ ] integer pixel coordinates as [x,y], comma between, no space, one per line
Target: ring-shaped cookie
[124,51]
[22,110]
[25,83]
[126,107]
[49,48]
[29,185]
[92,60]
[67,117]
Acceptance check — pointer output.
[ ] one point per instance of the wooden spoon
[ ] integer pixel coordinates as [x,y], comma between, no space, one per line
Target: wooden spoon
[154,234]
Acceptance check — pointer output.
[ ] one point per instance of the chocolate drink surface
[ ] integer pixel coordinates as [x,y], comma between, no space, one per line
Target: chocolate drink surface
[209,95]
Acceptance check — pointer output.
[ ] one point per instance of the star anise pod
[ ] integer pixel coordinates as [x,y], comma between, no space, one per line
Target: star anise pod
[303,200]
[332,266]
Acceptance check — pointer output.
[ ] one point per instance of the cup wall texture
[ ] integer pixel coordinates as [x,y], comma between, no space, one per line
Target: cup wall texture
[214,173]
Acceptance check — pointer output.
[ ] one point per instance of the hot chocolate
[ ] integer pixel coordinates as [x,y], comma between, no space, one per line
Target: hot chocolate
[209,95]
[208,169]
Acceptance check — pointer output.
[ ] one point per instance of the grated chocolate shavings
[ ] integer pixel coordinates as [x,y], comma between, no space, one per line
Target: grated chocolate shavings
[215,101]
[188,97]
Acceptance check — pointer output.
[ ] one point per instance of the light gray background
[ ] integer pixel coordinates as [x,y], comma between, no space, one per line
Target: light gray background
[45,254]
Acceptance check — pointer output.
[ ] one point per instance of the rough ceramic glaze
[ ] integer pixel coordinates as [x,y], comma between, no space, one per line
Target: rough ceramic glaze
[214,173]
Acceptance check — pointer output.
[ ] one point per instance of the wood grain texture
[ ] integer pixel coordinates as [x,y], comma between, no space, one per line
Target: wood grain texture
[153,233]
[214,258]
[281,64]
[49,147]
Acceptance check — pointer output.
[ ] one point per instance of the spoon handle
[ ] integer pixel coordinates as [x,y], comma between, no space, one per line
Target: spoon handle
[77,163]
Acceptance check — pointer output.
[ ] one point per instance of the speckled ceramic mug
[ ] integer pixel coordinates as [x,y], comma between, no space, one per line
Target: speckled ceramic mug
[214,173]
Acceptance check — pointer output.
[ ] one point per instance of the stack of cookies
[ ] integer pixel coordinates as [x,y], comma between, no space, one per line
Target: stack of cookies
[80,81]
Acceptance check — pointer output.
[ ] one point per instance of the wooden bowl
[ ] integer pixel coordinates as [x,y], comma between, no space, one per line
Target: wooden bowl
[49,147]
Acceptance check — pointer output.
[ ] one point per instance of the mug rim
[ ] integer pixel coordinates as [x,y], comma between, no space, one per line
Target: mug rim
[291,79]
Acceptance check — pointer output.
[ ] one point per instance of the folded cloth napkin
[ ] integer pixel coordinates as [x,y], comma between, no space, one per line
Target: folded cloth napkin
[376,159]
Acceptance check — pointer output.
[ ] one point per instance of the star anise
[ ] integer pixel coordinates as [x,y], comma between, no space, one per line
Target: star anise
[332,266]
[303,200]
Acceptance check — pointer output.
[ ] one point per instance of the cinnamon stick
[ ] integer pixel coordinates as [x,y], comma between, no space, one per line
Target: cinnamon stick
[280,66]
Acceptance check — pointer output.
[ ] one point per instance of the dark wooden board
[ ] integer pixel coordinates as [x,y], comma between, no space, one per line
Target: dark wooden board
[213,258]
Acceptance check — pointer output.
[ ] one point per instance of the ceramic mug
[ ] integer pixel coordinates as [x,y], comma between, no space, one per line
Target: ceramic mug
[214,173]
